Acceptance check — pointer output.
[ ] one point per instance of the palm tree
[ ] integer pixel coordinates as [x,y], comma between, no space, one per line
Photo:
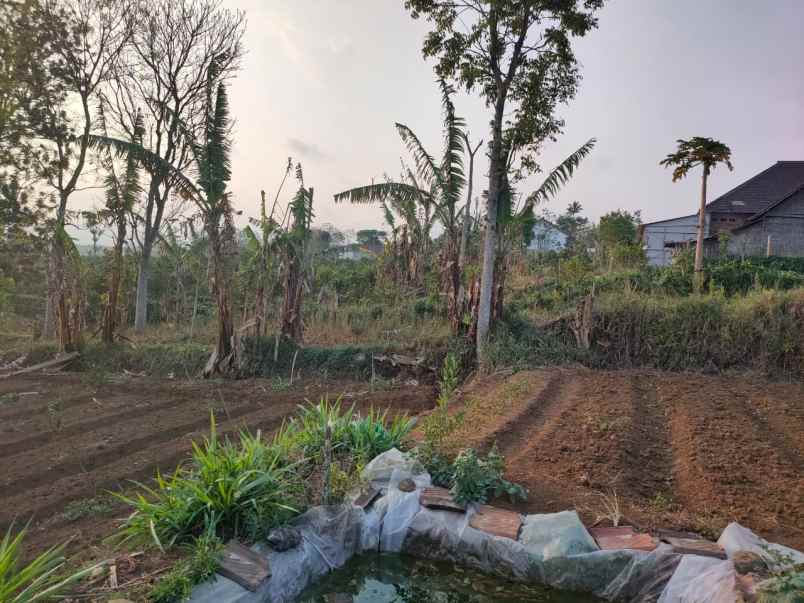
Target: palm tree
[211,166]
[433,186]
[691,153]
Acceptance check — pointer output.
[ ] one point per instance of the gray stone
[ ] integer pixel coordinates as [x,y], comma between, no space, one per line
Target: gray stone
[282,539]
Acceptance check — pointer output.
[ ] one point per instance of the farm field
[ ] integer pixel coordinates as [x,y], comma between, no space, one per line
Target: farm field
[681,451]
[66,446]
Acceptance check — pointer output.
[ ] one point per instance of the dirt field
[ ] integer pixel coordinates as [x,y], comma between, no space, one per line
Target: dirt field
[684,452]
[66,442]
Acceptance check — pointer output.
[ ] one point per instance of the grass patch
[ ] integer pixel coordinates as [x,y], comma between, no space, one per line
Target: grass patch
[87,507]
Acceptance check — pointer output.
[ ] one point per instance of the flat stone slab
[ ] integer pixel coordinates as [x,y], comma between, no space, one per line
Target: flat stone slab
[623,537]
[441,499]
[243,566]
[498,522]
[366,498]
[695,546]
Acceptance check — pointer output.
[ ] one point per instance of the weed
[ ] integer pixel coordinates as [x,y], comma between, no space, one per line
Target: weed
[95,377]
[661,502]
[475,479]
[202,562]
[609,508]
[436,464]
[77,509]
[9,398]
[55,411]
[278,384]
[787,578]
[373,434]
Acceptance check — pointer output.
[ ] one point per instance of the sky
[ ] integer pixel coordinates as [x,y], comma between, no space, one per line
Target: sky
[324,81]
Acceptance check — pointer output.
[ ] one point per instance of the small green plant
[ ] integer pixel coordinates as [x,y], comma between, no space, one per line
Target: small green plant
[786,584]
[86,507]
[95,376]
[661,501]
[9,398]
[448,382]
[436,464]
[278,384]
[228,489]
[310,426]
[475,479]
[202,562]
[55,412]
[38,580]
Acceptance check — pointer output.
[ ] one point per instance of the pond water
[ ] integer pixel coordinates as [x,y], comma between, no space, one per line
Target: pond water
[404,579]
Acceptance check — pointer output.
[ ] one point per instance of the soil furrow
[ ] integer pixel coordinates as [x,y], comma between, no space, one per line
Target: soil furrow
[648,442]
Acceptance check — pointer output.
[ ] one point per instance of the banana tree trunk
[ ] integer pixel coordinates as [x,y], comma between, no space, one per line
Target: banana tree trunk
[223,358]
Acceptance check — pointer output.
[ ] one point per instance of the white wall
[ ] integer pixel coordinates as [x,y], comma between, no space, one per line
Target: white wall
[677,230]
[547,237]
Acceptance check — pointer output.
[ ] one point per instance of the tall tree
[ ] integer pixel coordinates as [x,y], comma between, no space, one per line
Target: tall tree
[518,55]
[164,76]
[87,52]
[707,153]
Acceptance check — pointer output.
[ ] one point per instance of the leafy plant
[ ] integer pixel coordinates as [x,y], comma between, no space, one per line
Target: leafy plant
[373,434]
[786,583]
[475,479]
[229,489]
[437,465]
[37,580]
[310,425]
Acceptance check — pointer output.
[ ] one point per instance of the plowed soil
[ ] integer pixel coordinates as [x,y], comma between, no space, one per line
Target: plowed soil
[66,441]
[679,451]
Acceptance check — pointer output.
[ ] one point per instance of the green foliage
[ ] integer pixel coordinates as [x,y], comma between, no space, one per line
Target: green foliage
[228,490]
[361,437]
[39,579]
[373,434]
[476,479]
[436,464]
[697,151]
[201,563]
[786,584]
[87,507]
[617,227]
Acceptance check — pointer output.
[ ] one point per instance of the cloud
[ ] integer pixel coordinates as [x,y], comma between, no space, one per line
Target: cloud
[307,150]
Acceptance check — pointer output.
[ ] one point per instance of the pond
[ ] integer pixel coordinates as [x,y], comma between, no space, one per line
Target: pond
[403,579]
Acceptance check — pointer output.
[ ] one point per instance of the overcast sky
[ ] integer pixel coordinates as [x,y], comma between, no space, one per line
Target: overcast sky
[324,81]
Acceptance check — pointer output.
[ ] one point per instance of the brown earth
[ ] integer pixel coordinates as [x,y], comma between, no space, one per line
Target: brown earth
[680,451]
[65,442]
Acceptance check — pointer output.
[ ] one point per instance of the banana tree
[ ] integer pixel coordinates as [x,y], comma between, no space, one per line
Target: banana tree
[121,195]
[294,244]
[436,186]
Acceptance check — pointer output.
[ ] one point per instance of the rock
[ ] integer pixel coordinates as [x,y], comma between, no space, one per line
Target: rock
[283,539]
[746,562]
[407,485]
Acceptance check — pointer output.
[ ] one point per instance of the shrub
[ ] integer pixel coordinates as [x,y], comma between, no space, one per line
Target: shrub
[228,490]
[476,478]
[37,580]
[374,434]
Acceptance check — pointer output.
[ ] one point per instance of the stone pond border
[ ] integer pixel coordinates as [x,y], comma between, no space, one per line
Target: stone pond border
[552,549]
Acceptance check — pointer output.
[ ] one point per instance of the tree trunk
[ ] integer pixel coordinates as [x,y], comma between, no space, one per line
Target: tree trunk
[496,170]
[143,275]
[110,312]
[223,358]
[699,251]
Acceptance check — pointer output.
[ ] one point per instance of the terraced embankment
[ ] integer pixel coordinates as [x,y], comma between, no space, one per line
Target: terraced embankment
[681,451]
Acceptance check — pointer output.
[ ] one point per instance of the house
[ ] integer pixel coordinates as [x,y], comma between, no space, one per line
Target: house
[762,216]
[547,237]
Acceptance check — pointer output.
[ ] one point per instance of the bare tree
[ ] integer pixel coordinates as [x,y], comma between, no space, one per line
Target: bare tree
[87,52]
[165,76]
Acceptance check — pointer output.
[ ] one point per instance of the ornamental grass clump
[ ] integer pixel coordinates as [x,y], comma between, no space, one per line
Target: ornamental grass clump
[38,580]
[228,489]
